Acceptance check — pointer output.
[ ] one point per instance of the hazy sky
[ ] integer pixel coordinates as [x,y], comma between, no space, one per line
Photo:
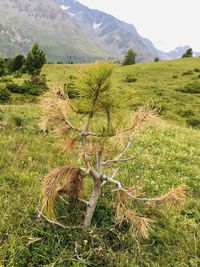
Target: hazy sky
[167,23]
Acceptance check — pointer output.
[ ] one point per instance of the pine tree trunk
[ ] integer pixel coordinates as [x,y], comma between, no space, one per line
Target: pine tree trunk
[96,193]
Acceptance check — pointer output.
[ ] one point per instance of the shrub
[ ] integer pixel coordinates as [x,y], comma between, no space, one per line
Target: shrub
[38,80]
[72,77]
[34,89]
[26,88]
[15,88]
[156,59]
[196,70]
[17,120]
[70,90]
[17,74]
[1,116]
[5,80]
[189,72]
[130,78]
[186,113]
[194,123]
[191,89]
[4,96]
[175,77]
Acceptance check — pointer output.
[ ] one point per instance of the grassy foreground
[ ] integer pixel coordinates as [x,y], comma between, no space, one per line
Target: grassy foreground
[26,156]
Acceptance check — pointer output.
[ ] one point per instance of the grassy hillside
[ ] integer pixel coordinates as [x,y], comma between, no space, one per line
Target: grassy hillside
[172,86]
[26,156]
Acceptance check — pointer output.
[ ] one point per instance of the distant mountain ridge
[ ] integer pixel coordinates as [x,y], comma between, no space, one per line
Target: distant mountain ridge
[68,30]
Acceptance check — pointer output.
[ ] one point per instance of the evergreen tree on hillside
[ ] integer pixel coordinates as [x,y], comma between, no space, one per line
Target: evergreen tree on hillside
[17,63]
[156,59]
[2,66]
[130,57]
[188,53]
[35,60]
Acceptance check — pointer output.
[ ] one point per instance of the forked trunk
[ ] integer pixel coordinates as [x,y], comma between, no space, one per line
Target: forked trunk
[92,203]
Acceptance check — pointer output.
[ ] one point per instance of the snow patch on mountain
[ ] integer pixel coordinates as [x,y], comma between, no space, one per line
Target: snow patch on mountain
[96,26]
[71,14]
[65,7]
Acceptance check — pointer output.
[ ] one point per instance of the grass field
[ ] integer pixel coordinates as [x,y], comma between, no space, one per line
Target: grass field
[160,83]
[173,158]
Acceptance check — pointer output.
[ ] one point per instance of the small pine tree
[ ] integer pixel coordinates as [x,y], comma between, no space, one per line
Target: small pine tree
[188,53]
[4,96]
[156,59]
[35,60]
[98,135]
[129,58]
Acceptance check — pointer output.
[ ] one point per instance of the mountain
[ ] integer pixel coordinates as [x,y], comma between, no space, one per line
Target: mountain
[23,22]
[108,32]
[68,30]
[178,52]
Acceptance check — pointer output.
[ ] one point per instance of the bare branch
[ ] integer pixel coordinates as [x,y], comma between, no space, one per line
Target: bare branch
[86,156]
[125,149]
[175,194]
[69,124]
[83,200]
[77,255]
[57,223]
[78,198]
[111,180]
[90,171]
[119,159]
[142,116]
[114,173]
[99,161]
[63,200]
[108,115]
[91,134]
[105,178]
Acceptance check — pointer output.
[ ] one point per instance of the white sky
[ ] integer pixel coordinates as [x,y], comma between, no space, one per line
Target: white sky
[167,23]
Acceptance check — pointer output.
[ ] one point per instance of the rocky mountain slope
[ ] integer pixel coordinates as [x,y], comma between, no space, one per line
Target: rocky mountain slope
[23,22]
[106,31]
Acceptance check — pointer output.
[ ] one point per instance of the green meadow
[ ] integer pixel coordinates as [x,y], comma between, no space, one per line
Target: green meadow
[172,158]
[171,86]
